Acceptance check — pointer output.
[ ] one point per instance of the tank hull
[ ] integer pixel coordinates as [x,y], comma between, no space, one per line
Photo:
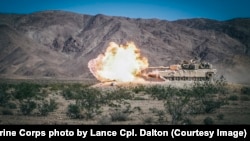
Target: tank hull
[168,74]
[187,75]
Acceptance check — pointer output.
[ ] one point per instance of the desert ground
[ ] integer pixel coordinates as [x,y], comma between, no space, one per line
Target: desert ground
[50,102]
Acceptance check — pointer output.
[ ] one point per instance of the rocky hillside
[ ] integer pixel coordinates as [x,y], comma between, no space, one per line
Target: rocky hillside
[59,44]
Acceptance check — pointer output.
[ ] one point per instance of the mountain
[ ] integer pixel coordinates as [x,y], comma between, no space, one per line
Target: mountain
[236,28]
[59,44]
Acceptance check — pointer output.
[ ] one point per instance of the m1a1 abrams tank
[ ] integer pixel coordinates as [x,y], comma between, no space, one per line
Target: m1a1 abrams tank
[185,71]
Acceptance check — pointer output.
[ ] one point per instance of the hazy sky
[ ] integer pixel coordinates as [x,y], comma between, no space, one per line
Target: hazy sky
[161,9]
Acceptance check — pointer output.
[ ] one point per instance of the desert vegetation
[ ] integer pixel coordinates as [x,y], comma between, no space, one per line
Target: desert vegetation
[207,102]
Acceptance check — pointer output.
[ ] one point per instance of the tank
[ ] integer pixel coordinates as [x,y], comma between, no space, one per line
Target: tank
[185,71]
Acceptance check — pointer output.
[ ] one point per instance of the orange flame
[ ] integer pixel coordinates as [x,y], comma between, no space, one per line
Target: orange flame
[120,63]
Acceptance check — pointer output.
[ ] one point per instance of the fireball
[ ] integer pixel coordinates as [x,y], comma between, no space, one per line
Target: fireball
[121,63]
